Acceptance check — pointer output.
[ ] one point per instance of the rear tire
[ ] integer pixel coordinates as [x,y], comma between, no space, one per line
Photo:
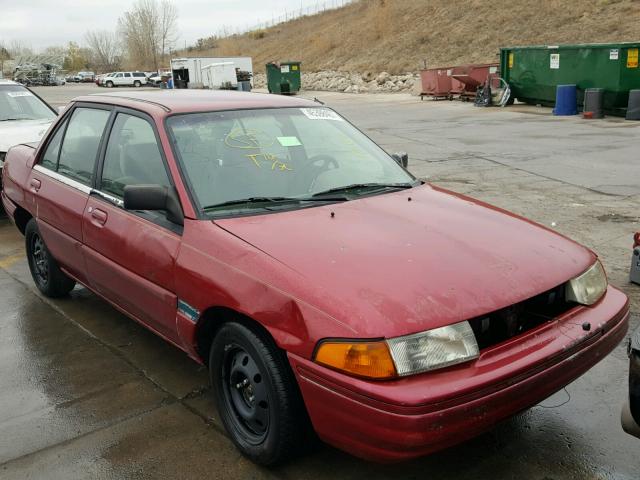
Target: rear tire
[257,396]
[46,273]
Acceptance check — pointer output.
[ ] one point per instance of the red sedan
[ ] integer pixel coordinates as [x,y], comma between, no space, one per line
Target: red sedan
[324,286]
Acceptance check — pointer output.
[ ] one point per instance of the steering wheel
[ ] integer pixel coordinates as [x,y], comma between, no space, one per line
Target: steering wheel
[315,166]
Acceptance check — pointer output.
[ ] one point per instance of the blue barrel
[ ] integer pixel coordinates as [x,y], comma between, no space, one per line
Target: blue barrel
[566,100]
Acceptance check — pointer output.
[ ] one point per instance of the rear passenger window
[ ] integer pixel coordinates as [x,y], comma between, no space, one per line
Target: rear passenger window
[50,157]
[80,145]
[133,156]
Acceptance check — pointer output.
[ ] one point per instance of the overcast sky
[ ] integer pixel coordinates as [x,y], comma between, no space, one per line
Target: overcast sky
[43,23]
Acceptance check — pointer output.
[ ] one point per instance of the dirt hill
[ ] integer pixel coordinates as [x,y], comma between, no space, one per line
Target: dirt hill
[399,35]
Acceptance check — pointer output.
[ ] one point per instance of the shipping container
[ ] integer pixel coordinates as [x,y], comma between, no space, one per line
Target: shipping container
[534,72]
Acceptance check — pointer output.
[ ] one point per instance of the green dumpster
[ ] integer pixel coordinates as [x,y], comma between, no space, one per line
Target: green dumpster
[534,72]
[284,78]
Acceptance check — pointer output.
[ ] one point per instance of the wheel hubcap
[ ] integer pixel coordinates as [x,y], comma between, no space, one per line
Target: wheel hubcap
[246,394]
[39,259]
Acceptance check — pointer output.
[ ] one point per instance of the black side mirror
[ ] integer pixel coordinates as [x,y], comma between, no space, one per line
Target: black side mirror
[401,158]
[154,197]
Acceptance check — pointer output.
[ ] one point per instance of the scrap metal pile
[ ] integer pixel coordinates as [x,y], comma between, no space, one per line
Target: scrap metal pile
[38,70]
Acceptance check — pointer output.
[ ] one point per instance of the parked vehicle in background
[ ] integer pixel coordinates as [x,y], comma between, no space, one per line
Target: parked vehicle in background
[322,284]
[124,79]
[100,78]
[81,77]
[631,409]
[86,77]
[156,78]
[24,117]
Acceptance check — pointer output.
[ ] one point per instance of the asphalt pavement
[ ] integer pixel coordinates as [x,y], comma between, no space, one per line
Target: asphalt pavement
[87,393]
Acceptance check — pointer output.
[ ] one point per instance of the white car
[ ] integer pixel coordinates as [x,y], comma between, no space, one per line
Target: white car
[124,79]
[24,117]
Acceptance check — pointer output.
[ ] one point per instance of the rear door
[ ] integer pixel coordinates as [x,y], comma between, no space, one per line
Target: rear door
[128,79]
[61,181]
[131,255]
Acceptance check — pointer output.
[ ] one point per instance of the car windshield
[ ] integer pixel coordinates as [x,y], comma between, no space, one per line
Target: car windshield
[255,159]
[18,103]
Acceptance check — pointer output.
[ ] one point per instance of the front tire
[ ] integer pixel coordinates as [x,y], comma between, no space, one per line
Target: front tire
[109,84]
[257,396]
[137,84]
[46,273]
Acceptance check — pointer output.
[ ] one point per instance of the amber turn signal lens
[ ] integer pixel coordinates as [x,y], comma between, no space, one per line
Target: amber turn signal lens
[363,359]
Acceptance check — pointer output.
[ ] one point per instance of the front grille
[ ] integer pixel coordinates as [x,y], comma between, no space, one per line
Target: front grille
[509,322]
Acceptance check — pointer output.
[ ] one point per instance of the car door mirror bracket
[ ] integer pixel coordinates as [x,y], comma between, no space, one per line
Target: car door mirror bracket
[154,197]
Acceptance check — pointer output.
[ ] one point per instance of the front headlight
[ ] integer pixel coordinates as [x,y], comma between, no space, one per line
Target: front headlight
[433,349]
[588,287]
[401,356]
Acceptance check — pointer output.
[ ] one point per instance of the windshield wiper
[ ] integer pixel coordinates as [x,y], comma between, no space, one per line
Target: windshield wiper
[273,200]
[356,186]
[13,119]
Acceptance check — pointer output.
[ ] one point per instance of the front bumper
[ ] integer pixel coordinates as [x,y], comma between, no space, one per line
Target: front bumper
[631,410]
[414,416]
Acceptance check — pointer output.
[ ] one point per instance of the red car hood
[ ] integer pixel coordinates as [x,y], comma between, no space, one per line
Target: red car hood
[409,261]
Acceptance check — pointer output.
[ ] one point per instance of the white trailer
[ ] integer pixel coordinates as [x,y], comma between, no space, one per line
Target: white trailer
[191,72]
[220,75]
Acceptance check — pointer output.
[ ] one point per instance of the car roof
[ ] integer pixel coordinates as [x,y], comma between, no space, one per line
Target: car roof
[185,101]
[8,82]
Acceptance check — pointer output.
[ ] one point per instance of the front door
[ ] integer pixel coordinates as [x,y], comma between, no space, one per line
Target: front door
[131,255]
[61,181]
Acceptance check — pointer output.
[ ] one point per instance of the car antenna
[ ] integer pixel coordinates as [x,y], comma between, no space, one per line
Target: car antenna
[315,99]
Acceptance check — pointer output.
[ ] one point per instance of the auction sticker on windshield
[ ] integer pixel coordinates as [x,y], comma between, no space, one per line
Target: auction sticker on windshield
[20,94]
[321,114]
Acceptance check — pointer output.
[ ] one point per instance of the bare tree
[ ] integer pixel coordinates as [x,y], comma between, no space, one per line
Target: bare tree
[105,49]
[18,49]
[4,56]
[148,29]
[168,27]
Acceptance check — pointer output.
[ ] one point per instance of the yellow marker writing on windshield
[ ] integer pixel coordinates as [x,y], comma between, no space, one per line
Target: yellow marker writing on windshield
[276,163]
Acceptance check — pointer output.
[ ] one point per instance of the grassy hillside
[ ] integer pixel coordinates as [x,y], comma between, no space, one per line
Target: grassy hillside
[399,35]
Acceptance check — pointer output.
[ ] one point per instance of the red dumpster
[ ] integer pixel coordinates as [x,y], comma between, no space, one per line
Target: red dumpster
[436,83]
[472,76]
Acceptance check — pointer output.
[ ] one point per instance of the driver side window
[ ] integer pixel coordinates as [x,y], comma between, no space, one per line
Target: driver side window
[132,157]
